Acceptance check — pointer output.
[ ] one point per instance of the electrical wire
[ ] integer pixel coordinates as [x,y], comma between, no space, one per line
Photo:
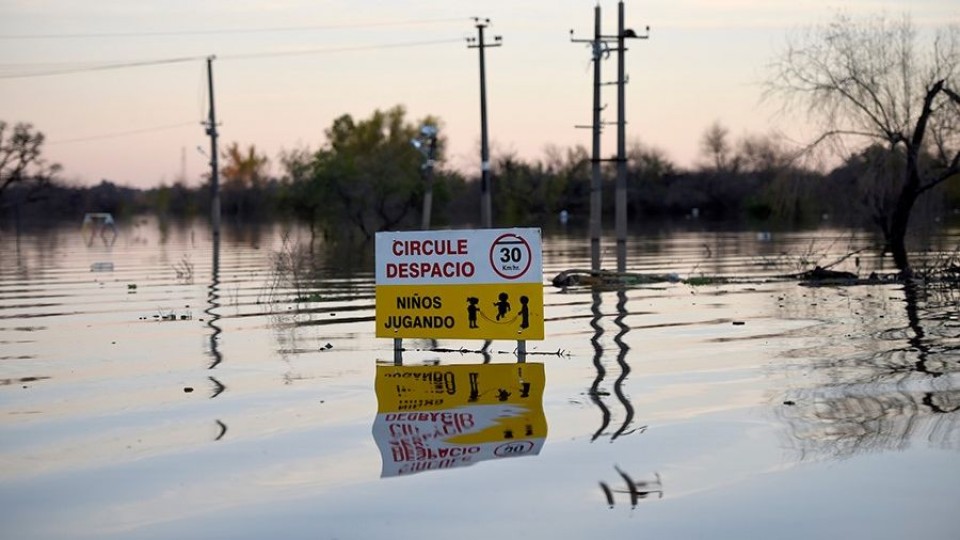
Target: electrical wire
[230,30]
[354,48]
[124,133]
[87,67]
[121,65]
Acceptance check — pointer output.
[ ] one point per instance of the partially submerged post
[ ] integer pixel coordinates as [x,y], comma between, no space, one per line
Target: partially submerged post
[214,171]
[596,179]
[600,52]
[486,207]
[620,209]
[620,200]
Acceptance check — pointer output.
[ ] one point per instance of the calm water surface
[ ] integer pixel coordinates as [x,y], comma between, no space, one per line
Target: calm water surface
[152,387]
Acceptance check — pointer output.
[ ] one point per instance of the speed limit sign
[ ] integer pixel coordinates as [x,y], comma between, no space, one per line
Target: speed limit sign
[510,256]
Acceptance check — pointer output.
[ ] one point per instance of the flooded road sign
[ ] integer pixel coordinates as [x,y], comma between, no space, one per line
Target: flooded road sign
[472,284]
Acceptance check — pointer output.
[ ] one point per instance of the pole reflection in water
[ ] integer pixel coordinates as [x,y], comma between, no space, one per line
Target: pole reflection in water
[596,394]
[447,416]
[595,391]
[622,362]
[218,387]
[213,303]
[637,490]
[624,366]
[223,430]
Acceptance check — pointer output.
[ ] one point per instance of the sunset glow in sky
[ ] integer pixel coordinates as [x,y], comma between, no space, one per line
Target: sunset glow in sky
[285,69]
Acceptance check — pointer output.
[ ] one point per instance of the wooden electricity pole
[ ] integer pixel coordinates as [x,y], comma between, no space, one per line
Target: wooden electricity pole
[214,171]
[486,206]
[596,178]
[620,205]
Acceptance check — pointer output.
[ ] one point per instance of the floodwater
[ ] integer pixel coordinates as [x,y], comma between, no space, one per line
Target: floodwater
[153,387]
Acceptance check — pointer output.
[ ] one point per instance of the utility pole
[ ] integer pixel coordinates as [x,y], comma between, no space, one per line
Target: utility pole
[214,171]
[596,179]
[426,143]
[428,195]
[183,164]
[620,206]
[486,209]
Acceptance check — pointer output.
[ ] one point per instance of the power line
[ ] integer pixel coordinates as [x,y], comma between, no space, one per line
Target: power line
[355,48]
[228,30]
[124,133]
[87,67]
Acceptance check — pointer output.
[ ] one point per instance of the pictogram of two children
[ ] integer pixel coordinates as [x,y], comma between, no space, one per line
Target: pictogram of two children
[503,307]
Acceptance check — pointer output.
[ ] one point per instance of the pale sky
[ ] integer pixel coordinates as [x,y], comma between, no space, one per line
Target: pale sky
[705,61]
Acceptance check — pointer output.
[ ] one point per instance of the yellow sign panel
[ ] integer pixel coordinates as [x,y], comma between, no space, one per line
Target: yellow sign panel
[481,311]
[440,417]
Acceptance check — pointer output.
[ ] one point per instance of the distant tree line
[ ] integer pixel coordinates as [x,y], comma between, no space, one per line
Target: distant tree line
[369,177]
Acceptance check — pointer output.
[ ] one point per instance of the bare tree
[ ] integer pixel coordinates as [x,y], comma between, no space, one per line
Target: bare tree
[762,154]
[874,81]
[21,161]
[716,147]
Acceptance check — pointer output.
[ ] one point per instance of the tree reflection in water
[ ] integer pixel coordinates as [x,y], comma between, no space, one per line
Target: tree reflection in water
[309,290]
[891,398]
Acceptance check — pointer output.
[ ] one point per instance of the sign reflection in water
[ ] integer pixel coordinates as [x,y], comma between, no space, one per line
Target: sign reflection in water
[445,416]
